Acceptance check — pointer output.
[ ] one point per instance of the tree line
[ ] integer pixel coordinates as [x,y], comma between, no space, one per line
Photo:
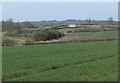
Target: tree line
[10,26]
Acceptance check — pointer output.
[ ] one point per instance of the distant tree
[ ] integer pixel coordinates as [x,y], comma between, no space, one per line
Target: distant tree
[11,19]
[28,25]
[18,27]
[88,20]
[110,20]
[8,25]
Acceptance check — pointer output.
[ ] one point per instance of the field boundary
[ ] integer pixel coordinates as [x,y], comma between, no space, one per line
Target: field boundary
[65,41]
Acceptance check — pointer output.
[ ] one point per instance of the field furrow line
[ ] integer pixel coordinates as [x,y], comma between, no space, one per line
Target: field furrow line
[63,66]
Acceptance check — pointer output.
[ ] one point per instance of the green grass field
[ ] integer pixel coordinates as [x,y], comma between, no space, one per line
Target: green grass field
[95,35]
[71,61]
[99,35]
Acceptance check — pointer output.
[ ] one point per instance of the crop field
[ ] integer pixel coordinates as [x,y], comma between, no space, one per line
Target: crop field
[70,61]
[40,44]
[94,35]
[98,35]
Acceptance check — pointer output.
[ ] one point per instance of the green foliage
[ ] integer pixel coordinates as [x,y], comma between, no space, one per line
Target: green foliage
[72,62]
[47,35]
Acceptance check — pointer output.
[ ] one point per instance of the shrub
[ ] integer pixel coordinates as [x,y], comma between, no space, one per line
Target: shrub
[47,35]
[10,34]
[8,42]
[28,42]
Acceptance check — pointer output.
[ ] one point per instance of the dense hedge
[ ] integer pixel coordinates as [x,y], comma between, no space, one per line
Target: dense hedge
[47,35]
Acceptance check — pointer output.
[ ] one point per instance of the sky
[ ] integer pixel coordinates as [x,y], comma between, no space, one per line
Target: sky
[37,11]
[60,0]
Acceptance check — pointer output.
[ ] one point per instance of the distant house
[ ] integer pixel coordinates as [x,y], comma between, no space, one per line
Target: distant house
[72,25]
[47,28]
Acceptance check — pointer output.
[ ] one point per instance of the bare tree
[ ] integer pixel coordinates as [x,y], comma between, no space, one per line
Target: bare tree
[8,25]
[88,20]
[110,20]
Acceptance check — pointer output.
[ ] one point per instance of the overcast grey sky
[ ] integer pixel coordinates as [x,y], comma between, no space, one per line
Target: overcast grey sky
[22,11]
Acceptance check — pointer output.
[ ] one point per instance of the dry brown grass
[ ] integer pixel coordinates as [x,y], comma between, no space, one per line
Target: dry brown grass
[69,37]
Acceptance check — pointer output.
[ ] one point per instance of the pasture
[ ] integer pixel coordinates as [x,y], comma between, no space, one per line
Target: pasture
[92,35]
[88,61]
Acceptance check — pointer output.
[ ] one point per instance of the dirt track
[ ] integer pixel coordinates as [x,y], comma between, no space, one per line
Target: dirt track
[64,41]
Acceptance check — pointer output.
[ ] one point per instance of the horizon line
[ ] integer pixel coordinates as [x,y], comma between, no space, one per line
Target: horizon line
[58,20]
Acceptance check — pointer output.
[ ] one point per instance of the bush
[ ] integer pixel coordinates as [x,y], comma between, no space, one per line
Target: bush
[10,34]
[8,42]
[47,35]
[28,42]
